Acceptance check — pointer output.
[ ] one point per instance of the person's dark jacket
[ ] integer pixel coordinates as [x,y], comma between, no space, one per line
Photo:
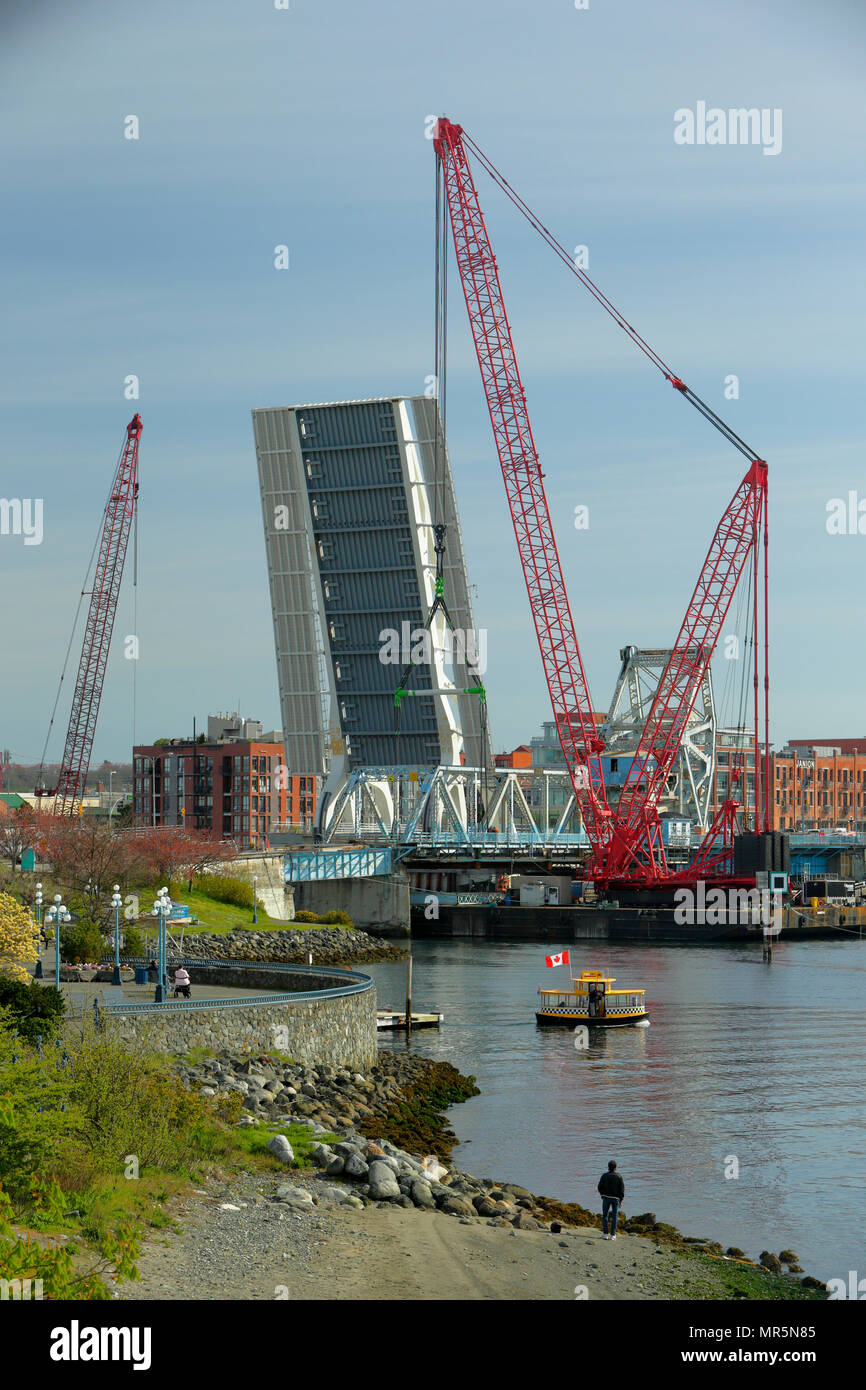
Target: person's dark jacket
[611,1185]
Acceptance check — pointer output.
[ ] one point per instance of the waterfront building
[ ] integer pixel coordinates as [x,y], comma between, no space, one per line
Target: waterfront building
[820,786]
[232,781]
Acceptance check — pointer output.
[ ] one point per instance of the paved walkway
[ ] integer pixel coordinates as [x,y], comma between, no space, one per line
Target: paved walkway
[81,995]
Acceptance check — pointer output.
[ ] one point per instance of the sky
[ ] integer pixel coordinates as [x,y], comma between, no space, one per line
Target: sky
[307,127]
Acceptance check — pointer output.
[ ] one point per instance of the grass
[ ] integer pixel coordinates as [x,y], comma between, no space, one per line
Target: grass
[252,1143]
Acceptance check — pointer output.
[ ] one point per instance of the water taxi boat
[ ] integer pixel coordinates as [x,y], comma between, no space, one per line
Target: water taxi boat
[593,1001]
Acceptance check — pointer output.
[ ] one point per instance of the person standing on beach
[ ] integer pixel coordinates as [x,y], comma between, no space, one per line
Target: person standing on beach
[612,1189]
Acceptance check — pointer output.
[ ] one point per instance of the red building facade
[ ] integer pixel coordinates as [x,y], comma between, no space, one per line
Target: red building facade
[239,790]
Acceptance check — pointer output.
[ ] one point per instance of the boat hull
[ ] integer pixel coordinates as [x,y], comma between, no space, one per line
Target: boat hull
[573,1020]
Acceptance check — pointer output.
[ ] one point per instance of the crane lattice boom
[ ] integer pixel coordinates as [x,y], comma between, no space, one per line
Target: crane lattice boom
[113,542]
[626,843]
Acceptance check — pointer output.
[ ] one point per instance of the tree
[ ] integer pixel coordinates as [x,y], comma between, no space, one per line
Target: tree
[18,831]
[33,1009]
[89,859]
[205,848]
[17,939]
[166,849]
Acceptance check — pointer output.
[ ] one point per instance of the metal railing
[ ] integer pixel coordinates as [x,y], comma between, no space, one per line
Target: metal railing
[346,983]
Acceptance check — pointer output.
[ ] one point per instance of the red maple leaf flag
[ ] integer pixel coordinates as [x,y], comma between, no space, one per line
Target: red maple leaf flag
[561,959]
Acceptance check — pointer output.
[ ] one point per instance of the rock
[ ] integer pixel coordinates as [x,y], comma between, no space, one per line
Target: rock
[555,1229]
[297,1197]
[372,1150]
[770,1262]
[788,1257]
[434,1171]
[208,1090]
[810,1283]
[456,1206]
[350,1200]
[383,1183]
[330,1193]
[735,1252]
[355,1167]
[515,1191]
[524,1222]
[485,1207]
[421,1195]
[280,1147]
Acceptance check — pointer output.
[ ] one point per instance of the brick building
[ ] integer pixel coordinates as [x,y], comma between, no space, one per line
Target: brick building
[233,781]
[820,786]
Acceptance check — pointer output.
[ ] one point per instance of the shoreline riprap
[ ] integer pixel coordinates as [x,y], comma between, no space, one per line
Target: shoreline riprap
[378,1134]
[329,945]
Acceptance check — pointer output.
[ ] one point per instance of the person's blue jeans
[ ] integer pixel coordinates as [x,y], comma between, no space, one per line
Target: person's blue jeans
[609,1208]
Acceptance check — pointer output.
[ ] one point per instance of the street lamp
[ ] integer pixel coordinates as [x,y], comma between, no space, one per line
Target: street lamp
[38,972]
[116,900]
[255,901]
[161,909]
[56,915]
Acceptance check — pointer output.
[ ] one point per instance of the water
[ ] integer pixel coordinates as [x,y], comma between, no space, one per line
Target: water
[762,1064]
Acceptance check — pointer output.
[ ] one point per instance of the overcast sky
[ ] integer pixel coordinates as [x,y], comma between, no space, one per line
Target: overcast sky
[259,127]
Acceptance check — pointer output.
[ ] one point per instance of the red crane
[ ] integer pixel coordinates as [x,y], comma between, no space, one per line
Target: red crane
[625,844]
[107,576]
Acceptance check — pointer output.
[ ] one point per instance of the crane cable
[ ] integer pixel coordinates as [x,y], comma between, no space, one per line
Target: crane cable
[700,405]
[439,605]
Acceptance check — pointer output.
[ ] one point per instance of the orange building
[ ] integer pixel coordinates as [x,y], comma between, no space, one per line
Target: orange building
[820,786]
[521,756]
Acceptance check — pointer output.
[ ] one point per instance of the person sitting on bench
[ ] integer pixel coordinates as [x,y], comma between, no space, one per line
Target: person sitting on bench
[181,982]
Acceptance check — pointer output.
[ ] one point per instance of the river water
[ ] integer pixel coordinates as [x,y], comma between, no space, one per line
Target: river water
[747,1067]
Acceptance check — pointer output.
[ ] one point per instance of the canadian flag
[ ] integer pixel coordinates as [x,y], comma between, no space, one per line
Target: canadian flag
[561,959]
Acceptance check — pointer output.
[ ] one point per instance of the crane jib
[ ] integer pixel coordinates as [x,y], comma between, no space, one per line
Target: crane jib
[625,842]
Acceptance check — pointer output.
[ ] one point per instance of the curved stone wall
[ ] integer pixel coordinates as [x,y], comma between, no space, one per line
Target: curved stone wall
[337,1026]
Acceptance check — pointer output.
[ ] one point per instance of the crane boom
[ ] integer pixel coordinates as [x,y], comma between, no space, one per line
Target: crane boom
[524,486]
[626,843]
[735,538]
[113,542]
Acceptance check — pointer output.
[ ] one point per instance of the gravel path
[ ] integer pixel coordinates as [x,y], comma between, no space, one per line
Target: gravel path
[264,1250]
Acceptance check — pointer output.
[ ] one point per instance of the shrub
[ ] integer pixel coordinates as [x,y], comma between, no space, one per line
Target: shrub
[81,941]
[132,942]
[225,889]
[304,916]
[336,919]
[33,1010]
[130,1104]
[34,1113]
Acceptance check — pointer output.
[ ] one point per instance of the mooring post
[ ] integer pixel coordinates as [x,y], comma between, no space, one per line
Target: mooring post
[409,995]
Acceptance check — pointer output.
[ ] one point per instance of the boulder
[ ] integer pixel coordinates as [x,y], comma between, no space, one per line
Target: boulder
[356,1167]
[771,1262]
[524,1222]
[297,1197]
[280,1147]
[421,1195]
[383,1183]
[456,1206]
[330,1193]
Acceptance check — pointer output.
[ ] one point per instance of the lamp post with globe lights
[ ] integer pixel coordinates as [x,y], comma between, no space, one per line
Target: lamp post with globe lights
[116,901]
